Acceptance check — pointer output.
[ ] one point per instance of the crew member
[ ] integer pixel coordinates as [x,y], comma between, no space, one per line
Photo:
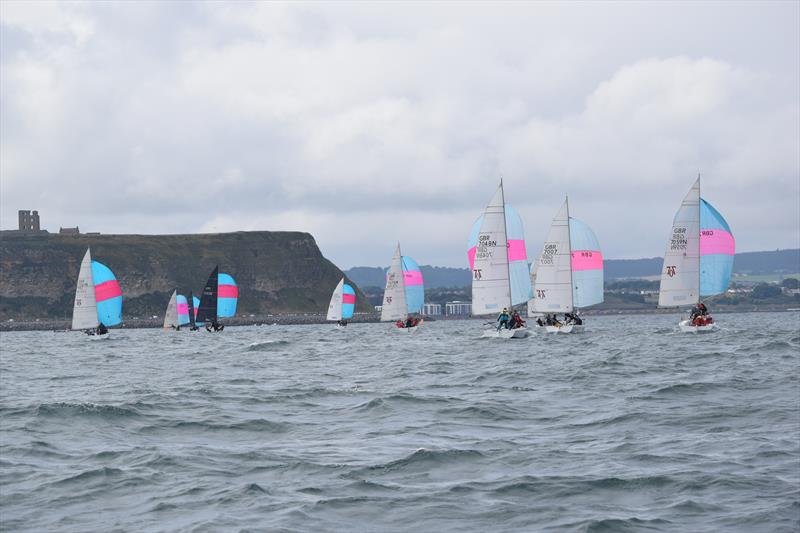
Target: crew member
[502,320]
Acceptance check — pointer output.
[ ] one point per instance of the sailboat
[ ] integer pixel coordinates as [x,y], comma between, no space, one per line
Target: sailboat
[499,263]
[98,299]
[191,311]
[343,304]
[568,274]
[698,261]
[207,308]
[177,313]
[227,297]
[404,293]
[171,314]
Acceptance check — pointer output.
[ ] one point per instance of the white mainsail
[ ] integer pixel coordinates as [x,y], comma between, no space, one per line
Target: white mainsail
[680,277]
[531,303]
[84,312]
[171,316]
[552,290]
[335,307]
[491,288]
[394,296]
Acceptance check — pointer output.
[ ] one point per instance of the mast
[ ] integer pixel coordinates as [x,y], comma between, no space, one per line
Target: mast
[699,234]
[505,232]
[190,302]
[569,250]
[402,275]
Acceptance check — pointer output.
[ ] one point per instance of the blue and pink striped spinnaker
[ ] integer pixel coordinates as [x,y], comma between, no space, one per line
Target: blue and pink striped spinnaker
[717,248]
[348,301]
[415,287]
[183,310]
[227,296]
[108,295]
[587,265]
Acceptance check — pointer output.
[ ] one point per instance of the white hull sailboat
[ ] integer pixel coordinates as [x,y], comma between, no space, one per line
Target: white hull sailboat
[98,299]
[499,265]
[342,305]
[404,293]
[568,275]
[565,328]
[698,261]
[518,333]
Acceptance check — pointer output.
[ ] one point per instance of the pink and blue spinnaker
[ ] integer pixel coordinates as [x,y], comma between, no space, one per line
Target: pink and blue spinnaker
[717,248]
[227,296]
[348,301]
[415,287]
[183,310]
[587,265]
[108,295]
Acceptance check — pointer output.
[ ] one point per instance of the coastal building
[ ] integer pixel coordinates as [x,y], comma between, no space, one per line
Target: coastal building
[432,309]
[69,231]
[29,220]
[458,308]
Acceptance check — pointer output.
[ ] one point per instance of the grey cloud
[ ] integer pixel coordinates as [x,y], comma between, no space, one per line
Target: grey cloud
[357,122]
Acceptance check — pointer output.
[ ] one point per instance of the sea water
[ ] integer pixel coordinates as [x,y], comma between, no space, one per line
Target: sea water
[630,426]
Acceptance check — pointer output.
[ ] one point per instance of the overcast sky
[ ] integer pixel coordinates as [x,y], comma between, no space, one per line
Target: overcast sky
[366,124]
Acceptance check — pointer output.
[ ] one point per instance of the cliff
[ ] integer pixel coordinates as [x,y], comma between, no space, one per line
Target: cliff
[277,272]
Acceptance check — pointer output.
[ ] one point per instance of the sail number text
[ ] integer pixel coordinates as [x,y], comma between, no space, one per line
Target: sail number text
[679,240]
[483,249]
[550,250]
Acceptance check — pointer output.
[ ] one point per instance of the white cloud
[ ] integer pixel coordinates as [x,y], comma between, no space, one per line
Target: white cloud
[359,123]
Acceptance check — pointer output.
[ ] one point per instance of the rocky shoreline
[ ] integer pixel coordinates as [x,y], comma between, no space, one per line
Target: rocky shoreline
[318,318]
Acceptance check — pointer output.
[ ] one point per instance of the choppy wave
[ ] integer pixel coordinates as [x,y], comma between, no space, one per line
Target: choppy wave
[632,426]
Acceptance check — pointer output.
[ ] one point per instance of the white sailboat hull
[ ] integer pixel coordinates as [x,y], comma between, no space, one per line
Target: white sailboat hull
[100,337]
[404,329]
[565,328]
[519,333]
[687,327]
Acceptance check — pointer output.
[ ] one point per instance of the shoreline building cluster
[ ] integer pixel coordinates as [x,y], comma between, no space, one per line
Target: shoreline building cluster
[29,222]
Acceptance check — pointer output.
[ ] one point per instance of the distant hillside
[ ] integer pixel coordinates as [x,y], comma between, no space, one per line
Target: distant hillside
[779,261]
[435,277]
[277,272]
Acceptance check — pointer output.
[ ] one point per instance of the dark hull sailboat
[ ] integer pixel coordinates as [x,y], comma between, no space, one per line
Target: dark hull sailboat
[207,310]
